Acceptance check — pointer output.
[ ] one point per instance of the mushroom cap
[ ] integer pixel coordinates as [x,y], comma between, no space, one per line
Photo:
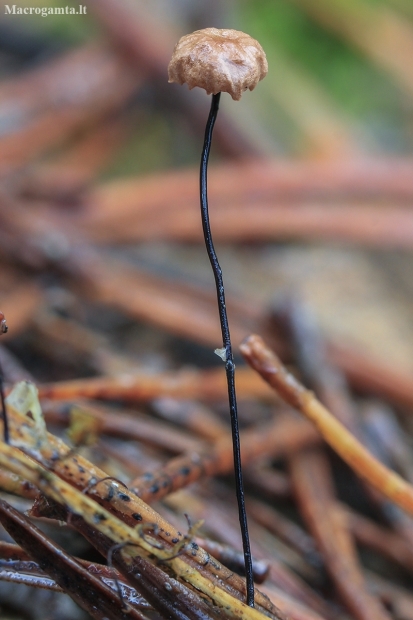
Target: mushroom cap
[217,60]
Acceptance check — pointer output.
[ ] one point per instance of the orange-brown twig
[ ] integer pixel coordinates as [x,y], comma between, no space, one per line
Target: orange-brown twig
[313,487]
[267,364]
[281,436]
[204,385]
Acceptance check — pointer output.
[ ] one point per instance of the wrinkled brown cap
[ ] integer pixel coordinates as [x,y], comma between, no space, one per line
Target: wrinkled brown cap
[227,61]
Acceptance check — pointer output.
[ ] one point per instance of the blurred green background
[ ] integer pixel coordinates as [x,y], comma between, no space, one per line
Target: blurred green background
[340,79]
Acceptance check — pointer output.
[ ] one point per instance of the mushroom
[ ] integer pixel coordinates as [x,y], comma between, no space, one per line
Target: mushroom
[233,62]
[3,330]
[216,60]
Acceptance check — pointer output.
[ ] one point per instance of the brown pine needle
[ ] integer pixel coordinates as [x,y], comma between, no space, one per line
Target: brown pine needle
[267,364]
[314,489]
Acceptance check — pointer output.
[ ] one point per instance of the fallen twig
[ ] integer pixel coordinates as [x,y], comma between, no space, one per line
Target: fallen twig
[313,487]
[75,579]
[126,509]
[204,385]
[267,364]
[280,437]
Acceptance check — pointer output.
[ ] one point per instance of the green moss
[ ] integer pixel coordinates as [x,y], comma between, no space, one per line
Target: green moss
[357,85]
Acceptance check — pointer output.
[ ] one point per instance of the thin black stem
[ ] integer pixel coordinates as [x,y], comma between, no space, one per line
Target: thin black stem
[6,435]
[226,339]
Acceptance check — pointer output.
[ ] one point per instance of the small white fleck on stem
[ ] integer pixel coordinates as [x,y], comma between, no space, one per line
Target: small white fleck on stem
[222,353]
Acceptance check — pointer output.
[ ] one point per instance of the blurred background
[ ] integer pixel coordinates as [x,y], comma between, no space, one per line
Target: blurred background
[311,177]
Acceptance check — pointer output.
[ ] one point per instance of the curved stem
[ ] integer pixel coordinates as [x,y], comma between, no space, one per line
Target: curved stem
[226,339]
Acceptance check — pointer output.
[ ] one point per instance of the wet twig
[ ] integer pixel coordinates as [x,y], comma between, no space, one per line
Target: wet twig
[262,359]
